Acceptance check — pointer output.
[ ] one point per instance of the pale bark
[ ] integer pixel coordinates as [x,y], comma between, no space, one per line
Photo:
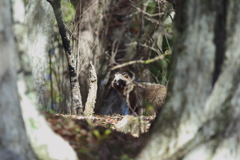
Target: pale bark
[13,139]
[38,29]
[92,93]
[45,143]
[24,132]
[201,114]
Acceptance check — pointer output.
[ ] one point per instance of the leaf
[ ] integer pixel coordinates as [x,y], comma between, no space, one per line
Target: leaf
[96,133]
[107,132]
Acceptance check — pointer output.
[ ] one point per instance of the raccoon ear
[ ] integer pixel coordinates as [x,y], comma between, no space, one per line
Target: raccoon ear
[125,75]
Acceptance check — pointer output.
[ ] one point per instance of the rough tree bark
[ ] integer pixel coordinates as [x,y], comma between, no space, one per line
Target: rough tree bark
[202,112]
[38,30]
[76,100]
[92,93]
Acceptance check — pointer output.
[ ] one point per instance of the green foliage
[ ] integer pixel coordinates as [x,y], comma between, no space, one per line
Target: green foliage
[125,157]
[68,11]
[83,150]
[33,124]
[166,44]
[100,136]
[160,70]
[107,132]
[50,111]
[96,133]
[151,6]
[149,109]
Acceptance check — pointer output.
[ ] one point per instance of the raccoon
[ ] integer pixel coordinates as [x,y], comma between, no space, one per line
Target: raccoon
[137,93]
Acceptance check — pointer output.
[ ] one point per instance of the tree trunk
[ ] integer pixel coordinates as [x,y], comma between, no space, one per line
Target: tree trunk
[24,133]
[92,93]
[201,114]
[76,99]
[13,138]
[39,21]
[85,40]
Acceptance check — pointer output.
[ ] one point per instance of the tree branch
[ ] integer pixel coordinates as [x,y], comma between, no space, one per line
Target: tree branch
[142,61]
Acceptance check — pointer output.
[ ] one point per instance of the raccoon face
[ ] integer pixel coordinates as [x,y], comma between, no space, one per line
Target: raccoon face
[120,80]
[119,83]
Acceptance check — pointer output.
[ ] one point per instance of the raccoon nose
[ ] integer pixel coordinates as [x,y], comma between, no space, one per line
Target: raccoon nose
[116,83]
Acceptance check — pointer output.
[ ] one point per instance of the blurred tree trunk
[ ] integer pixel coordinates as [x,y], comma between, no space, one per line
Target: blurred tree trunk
[13,138]
[85,40]
[38,30]
[23,130]
[202,112]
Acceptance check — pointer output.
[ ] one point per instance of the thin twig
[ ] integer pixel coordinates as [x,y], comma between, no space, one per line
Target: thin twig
[160,57]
